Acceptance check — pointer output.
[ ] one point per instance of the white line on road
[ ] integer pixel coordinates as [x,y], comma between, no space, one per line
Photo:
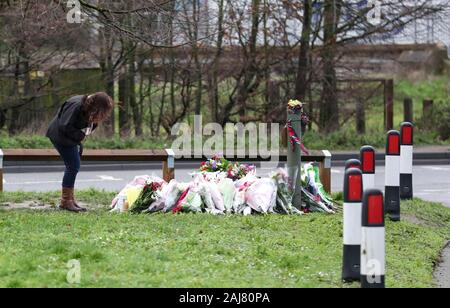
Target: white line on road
[102,179]
[108,178]
[436,168]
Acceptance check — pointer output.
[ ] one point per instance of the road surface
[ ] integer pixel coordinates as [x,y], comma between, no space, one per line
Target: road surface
[430,182]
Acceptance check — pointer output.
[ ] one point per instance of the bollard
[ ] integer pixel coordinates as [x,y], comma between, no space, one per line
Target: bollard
[373,241]
[406,161]
[352,163]
[368,165]
[353,194]
[392,180]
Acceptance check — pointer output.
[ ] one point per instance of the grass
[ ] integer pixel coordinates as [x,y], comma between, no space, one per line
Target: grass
[202,250]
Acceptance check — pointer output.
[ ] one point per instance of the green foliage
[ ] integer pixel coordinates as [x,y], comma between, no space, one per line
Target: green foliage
[117,250]
[41,142]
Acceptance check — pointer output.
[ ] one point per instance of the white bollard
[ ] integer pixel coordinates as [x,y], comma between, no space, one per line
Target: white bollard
[368,166]
[406,161]
[373,241]
[353,194]
[392,181]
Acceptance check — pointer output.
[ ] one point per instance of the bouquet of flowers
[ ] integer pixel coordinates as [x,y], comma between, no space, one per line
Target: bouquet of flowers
[146,198]
[234,171]
[296,106]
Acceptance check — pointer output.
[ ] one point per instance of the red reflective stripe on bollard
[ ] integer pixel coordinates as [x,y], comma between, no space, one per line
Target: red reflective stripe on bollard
[355,188]
[407,135]
[375,210]
[393,144]
[368,161]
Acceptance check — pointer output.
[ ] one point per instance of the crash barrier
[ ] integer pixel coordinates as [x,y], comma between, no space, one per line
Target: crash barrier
[167,157]
[322,158]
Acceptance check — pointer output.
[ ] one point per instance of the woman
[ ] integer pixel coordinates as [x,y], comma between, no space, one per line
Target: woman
[76,119]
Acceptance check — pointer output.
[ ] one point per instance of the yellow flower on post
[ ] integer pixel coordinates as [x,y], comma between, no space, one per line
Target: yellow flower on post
[295,103]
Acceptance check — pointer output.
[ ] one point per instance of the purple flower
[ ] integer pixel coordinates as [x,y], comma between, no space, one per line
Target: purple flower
[214,165]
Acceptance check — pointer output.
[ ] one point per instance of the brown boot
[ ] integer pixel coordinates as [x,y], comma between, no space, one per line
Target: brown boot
[67,203]
[82,209]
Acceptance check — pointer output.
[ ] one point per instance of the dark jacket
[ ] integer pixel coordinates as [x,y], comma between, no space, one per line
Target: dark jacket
[66,128]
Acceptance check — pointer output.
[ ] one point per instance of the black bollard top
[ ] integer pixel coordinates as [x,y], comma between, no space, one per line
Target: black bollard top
[352,163]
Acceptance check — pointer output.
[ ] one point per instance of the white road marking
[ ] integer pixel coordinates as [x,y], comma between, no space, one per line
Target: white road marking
[108,178]
[437,168]
[436,190]
[102,179]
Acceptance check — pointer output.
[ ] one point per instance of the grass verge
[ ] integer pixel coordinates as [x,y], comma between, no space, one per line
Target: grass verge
[203,250]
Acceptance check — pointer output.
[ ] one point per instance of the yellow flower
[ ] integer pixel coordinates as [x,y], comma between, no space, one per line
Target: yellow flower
[295,103]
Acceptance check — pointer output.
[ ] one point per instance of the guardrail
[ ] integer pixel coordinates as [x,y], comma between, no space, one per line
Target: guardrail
[167,157]
[323,158]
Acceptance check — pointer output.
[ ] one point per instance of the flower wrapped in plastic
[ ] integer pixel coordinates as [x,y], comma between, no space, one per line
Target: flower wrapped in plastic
[146,198]
[261,196]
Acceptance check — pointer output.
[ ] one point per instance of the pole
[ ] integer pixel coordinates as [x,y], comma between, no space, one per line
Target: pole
[406,161]
[368,162]
[294,157]
[373,241]
[392,180]
[353,194]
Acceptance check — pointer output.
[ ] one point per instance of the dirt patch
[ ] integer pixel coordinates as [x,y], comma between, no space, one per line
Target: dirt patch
[442,272]
[413,220]
[31,205]
[27,205]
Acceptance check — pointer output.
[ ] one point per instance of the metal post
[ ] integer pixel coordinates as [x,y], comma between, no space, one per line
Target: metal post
[294,159]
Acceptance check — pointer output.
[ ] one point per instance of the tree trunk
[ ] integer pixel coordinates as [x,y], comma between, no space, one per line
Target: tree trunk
[124,127]
[329,113]
[301,85]
[131,80]
[215,78]
[107,67]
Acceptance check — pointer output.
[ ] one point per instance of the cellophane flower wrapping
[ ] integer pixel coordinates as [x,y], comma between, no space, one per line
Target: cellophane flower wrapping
[231,188]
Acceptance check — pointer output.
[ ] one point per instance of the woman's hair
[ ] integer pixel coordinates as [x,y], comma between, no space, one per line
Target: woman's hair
[98,107]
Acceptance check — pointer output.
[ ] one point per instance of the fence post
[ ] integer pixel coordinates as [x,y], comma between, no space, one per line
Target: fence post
[368,162]
[1,170]
[392,180]
[169,166]
[353,194]
[408,110]
[389,104]
[373,241]
[427,112]
[325,171]
[406,161]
